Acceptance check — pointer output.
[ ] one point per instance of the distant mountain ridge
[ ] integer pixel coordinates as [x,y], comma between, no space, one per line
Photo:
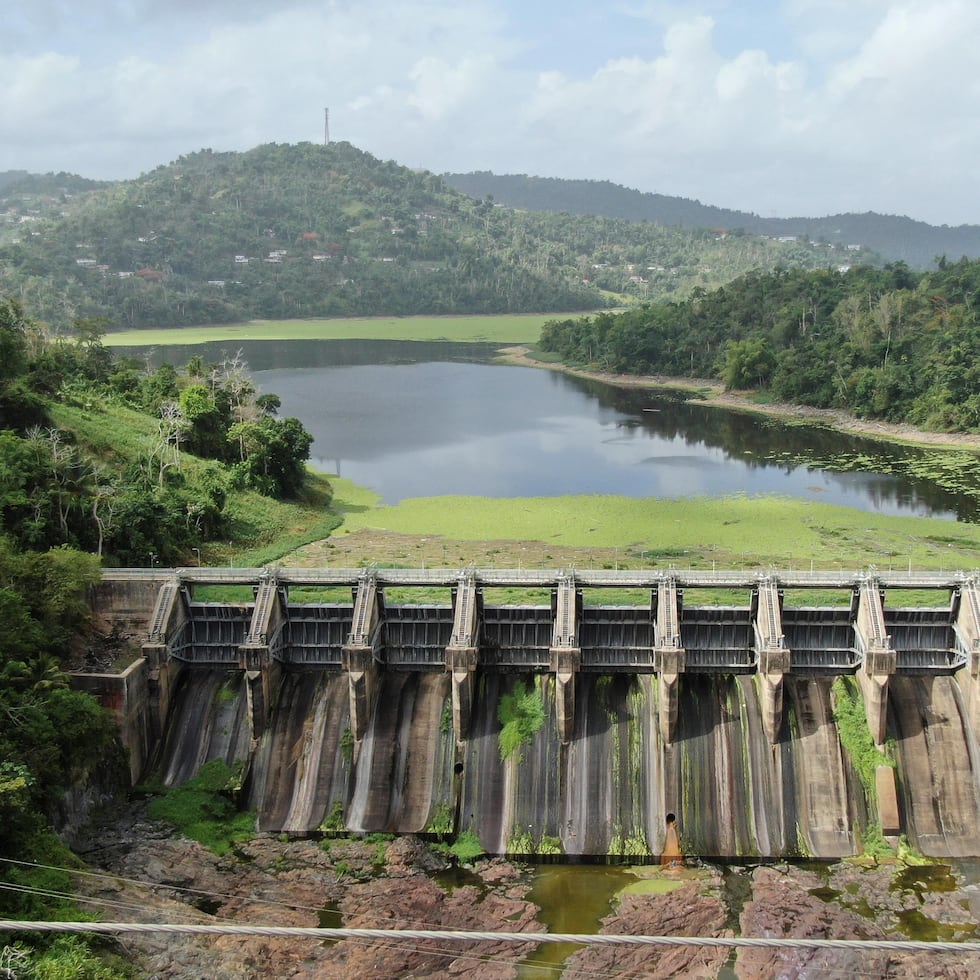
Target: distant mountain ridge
[286,231]
[893,237]
[20,182]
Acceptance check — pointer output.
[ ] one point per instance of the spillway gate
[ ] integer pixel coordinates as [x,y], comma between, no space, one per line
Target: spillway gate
[552,628]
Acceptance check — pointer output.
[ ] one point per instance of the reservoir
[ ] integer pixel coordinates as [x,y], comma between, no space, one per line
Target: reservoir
[412,419]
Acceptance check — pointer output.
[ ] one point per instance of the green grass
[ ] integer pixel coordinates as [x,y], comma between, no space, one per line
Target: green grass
[109,430]
[467,847]
[856,739]
[508,328]
[274,528]
[334,820]
[731,532]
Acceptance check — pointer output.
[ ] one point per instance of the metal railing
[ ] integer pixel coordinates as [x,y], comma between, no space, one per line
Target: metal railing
[542,578]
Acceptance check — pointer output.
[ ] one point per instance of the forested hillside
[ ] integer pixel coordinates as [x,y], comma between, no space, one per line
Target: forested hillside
[104,456]
[26,199]
[883,343]
[891,236]
[307,230]
[102,462]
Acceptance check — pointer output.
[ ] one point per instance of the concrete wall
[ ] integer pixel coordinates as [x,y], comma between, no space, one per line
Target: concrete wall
[126,696]
[126,605]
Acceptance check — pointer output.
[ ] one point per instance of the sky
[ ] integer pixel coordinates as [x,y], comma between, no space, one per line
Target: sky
[778,107]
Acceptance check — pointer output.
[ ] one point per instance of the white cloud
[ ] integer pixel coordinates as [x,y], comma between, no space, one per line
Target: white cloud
[803,107]
[441,87]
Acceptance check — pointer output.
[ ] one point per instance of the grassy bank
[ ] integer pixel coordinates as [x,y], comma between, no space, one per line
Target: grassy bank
[621,532]
[608,531]
[498,329]
[260,529]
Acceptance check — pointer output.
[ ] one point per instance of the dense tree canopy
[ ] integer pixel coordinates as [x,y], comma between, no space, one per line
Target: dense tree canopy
[127,503]
[893,237]
[140,473]
[49,734]
[885,343]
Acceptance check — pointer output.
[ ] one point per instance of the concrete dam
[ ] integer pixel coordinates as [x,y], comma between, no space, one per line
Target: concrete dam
[379,713]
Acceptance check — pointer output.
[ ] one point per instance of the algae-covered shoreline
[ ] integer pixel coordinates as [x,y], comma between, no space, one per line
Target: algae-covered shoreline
[603,531]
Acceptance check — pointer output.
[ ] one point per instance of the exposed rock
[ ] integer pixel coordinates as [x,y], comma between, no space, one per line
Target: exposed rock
[156,877]
[787,903]
[90,793]
[782,907]
[410,856]
[498,871]
[419,903]
[153,876]
[693,909]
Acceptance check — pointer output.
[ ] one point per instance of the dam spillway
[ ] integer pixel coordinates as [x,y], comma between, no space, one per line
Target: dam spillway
[380,714]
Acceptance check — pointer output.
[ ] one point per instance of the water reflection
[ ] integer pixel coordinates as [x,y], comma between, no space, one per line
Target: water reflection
[417,420]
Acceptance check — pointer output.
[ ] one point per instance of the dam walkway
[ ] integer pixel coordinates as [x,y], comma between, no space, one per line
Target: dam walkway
[362,621]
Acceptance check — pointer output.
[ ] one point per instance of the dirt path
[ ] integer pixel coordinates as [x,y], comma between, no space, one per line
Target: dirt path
[713,394]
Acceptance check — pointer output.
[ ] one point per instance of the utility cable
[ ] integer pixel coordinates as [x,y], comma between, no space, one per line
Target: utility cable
[584,939]
[73,897]
[203,893]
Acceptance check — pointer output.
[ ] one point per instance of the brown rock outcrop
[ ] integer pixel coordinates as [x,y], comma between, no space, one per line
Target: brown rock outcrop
[784,905]
[694,909]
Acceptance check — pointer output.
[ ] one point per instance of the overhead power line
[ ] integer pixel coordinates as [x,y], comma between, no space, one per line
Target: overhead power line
[724,942]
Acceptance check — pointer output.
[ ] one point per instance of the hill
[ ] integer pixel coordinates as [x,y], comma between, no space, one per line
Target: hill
[894,238]
[287,231]
[893,344]
[27,198]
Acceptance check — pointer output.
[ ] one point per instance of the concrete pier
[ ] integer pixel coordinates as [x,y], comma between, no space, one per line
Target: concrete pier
[262,669]
[360,652]
[462,654]
[967,632]
[565,653]
[669,656]
[772,656]
[878,659]
[167,625]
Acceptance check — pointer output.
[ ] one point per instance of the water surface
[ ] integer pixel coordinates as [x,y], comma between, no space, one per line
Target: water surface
[418,419]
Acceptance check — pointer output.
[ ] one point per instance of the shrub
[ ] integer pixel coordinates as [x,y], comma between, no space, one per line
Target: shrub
[467,847]
[203,810]
[521,713]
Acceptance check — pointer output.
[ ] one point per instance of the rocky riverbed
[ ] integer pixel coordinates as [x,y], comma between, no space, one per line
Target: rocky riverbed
[142,872]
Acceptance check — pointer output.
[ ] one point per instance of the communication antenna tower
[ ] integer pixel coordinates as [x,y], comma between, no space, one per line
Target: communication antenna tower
[326,126]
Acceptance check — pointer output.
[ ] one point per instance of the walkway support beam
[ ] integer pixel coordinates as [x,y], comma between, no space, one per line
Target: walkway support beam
[360,654]
[772,655]
[669,655]
[566,654]
[878,660]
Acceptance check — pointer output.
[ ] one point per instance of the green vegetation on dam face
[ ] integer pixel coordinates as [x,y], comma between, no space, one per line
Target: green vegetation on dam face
[612,789]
